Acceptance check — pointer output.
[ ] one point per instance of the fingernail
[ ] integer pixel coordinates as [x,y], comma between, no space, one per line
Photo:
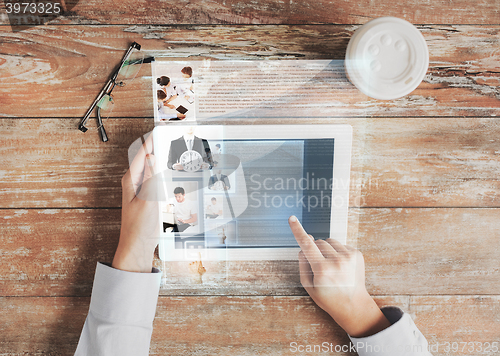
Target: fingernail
[293,218]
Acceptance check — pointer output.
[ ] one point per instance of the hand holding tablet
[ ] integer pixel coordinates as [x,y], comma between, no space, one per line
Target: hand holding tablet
[139,228]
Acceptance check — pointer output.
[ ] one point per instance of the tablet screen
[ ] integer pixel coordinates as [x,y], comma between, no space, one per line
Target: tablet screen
[240,193]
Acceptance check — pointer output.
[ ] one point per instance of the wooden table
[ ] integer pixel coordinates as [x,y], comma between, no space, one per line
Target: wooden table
[428,166]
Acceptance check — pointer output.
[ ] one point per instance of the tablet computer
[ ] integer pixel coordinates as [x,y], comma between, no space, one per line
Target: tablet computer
[231,189]
[182,109]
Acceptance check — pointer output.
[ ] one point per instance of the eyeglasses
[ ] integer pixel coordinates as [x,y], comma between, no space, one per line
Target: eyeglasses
[129,67]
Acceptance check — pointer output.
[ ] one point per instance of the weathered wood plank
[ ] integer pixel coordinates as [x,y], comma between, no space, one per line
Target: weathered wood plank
[396,162]
[41,326]
[53,252]
[183,325]
[430,251]
[244,325]
[448,322]
[432,163]
[60,166]
[65,67]
[272,12]
[258,325]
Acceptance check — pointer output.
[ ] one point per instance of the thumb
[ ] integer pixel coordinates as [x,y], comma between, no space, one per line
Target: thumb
[149,167]
[151,188]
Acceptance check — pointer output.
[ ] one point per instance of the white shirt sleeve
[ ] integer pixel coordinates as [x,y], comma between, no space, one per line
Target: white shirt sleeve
[402,338]
[121,313]
[166,113]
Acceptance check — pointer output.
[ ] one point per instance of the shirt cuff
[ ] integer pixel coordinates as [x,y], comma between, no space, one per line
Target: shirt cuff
[125,297]
[402,338]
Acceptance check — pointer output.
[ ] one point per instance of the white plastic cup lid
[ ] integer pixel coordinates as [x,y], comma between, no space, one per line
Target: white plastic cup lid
[387,58]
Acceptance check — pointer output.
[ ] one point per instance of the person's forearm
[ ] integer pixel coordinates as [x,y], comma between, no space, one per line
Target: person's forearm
[171,98]
[133,258]
[192,219]
[364,317]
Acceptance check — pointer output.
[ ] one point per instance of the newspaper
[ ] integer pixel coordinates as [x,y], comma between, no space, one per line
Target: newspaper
[207,89]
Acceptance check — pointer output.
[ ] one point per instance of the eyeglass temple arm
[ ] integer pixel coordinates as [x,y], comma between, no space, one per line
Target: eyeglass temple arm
[107,86]
[81,126]
[102,131]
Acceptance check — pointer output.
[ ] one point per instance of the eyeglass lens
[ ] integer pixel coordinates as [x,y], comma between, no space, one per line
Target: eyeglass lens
[128,71]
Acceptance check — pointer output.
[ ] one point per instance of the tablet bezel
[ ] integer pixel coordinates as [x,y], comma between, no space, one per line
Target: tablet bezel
[341,133]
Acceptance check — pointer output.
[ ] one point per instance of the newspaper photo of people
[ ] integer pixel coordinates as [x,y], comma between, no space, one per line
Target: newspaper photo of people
[175,94]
